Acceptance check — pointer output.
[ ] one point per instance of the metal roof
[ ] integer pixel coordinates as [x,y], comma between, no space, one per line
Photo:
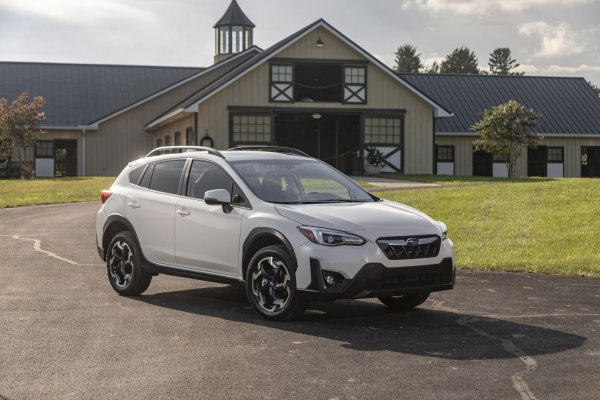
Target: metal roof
[78,94]
[566,105]
[234,16]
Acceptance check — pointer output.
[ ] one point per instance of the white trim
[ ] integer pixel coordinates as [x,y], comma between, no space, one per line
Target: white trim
[544,135]
[439,112]
[166,117]
[94,124]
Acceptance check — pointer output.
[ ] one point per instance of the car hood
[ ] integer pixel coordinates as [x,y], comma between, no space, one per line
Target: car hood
[384,216]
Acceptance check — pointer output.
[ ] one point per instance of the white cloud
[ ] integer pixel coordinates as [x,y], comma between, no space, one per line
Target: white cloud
[485,6]
[555,41]
[527,68]
[80,12]
[573,70]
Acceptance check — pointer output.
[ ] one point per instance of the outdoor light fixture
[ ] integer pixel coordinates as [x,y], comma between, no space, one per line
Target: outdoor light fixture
[317,116]
[320,42]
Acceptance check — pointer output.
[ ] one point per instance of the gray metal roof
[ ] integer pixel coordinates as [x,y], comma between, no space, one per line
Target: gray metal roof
[78,94]
[567,105]
[234,16]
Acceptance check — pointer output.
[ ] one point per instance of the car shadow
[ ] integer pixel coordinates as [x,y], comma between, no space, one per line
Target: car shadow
[369,326]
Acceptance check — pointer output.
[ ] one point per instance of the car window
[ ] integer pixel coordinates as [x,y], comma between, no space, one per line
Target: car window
[205,176]
[134,176]
[299,181]
[166,176]
[145,182]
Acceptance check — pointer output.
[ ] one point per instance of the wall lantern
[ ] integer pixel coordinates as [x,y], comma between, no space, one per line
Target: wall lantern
[320,42]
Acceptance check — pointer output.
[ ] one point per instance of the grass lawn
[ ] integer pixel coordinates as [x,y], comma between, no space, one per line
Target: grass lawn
[530,225]
[17,192]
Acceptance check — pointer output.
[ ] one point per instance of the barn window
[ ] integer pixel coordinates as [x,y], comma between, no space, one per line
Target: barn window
[355,85]
[282,83]
[251,128]
[383,130]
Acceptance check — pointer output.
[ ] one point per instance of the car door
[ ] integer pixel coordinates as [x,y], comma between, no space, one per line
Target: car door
[207,237]
[150,207]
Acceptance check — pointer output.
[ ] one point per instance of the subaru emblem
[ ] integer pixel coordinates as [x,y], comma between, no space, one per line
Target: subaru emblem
[412,242]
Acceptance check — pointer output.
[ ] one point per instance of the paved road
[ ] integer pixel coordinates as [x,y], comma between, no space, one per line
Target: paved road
[64,334]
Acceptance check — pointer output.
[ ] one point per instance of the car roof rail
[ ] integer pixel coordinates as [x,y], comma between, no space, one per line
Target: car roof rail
[183,149]
[274,149]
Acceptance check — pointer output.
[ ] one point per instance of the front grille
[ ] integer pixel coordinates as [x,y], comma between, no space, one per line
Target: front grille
[410,247]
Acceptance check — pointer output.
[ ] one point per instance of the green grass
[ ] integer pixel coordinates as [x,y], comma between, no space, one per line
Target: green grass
[17,192]
[527,225]
[457,180]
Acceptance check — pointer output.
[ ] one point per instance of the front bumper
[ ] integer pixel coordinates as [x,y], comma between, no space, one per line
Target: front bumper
[376,280]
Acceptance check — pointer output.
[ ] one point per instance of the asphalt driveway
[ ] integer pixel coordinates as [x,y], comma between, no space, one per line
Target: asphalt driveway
[65,334]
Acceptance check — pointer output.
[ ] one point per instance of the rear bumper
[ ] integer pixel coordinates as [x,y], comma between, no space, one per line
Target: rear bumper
[376,280]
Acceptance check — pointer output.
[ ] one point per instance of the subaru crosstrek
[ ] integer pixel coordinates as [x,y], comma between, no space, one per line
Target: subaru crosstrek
[288,227]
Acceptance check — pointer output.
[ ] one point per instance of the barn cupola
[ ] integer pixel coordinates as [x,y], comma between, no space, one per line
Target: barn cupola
[233,33]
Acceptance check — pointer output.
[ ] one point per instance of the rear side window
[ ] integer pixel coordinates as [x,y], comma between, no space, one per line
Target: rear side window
[166,176]
[204,177]
[134,176]
[145,182]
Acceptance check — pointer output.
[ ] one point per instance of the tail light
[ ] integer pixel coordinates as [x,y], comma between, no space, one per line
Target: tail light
[104,195]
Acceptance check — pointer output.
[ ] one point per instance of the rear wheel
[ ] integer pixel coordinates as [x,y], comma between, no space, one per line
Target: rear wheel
[405,302]
[123,264]
[271,284]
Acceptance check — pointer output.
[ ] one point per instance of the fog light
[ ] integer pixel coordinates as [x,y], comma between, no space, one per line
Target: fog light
[332,279]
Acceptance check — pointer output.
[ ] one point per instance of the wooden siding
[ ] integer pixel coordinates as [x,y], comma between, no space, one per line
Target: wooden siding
[122,138]
[383,93]
[180,126]
[463,147]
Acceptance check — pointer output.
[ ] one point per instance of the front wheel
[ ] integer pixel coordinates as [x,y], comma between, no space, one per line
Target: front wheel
[271,284]
[123,264]
[405,302]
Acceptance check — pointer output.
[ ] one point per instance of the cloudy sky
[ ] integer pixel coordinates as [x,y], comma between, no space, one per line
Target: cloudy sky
[548,37]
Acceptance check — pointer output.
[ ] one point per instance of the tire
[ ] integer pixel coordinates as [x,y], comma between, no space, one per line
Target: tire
[124,266]
[271,285]
[406,302]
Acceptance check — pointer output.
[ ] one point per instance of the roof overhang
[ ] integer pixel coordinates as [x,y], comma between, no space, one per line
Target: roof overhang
[544,135]
[439,111]
[67,128]
[166,119]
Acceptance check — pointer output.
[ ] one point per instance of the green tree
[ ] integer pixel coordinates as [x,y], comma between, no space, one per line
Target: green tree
[19,128]
[407,59]
[505,130]
[502,63]
[434,68]
[595,87]
[460,61]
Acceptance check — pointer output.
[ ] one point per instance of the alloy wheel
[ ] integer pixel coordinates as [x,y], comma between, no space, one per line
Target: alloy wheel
[271,284]
[120,264]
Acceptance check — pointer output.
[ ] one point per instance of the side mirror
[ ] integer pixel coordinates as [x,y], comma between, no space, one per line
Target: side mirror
[217,197]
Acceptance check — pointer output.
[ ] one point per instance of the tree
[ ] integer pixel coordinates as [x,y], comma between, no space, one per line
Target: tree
[434,68]
[460,61]
[595,87]
[502,63]
[407,59]
[19,128]
[505,130]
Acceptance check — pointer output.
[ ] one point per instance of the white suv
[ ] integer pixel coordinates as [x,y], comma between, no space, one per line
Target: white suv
[286,226]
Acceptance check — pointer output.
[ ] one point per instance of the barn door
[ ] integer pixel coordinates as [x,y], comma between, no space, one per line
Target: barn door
[386,134]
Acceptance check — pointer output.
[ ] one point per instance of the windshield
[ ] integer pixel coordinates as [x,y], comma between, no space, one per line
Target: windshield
[298,181]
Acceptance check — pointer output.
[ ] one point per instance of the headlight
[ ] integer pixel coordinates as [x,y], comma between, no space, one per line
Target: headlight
[444,230]
[329,237]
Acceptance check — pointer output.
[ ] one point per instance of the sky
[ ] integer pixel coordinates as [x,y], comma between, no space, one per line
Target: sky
[547,37]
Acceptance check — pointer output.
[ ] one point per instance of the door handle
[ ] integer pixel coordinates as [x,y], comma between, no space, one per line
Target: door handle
[183,213]
[133,204]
